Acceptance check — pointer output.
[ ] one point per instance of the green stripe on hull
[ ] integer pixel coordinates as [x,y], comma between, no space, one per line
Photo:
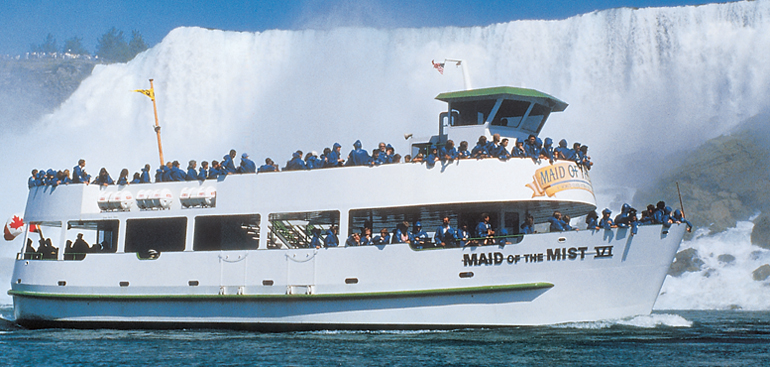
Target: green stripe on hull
[291,297]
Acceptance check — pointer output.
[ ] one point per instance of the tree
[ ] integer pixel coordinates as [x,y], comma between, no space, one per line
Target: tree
[137,44]
[112,47]
[48,46]
[74,46]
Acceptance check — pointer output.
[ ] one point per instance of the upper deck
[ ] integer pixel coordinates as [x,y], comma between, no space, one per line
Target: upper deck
[509,111]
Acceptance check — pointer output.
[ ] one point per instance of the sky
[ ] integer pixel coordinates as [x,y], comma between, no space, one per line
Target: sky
[27,22]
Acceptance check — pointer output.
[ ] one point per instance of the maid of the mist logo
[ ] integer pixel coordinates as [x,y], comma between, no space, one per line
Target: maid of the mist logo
[559,177]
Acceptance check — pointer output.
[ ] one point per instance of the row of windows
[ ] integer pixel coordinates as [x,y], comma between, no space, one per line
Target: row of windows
[239,232]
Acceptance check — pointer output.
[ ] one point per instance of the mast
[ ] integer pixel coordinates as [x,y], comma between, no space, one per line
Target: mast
[151,93]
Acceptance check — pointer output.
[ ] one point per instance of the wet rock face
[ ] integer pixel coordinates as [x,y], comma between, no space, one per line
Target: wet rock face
[761,273]
[760,235]
[726,258]
[685,261]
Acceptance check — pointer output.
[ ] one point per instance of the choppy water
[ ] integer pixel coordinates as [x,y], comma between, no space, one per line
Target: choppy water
[673,338]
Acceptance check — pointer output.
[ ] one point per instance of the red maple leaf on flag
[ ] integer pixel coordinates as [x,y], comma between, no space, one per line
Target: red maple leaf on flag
[16,222]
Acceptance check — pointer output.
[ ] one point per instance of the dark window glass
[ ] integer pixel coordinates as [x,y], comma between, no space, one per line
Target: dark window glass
[158,234]
[230,232]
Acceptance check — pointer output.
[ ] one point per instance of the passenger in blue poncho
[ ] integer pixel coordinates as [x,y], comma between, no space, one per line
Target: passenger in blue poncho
[547,151]
[592,220]
[247,165]
[228,165]
[480,150]
[137,178]
[530,148]
[269,166]
[462,150]
[192,174]
[518,150]
[176,173]
[334,158]
[167,172]
[316,241]
[401,234]
[557,224]
[445,235]
[660,213]
[484,230]
[627,218]
[331,239]
[564,153]
[33,181]
[160,173]
[123,178]
[354,240]
[678,217]
[358,156]
[502,151]
[419,236]
[145,176]
[79,174]
[203,173]
[296,163]
[215,170]
[104,178]
[528,227]
[606,221]
[448,152]
[432,157]
[383,238]
[493,147]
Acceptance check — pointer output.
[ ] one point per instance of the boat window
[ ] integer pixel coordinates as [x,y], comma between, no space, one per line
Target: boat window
[472,112]
[84,237]
[510,113]
[295,230]
[534,122]
[430,218]
[226,232]
[42,241]
[150,237]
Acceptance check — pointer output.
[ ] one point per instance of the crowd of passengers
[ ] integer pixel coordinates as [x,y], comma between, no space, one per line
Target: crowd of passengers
[628,218]
[532,148]
[444,236]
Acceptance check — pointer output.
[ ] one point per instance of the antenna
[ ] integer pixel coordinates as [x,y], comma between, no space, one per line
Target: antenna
[464,65]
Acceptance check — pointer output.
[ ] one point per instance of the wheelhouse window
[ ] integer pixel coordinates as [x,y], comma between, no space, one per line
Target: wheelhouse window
[157,234]
[471,112]
[226,232]
[510,113]
[84,237]
[42,241]
[296,230]
[536,118]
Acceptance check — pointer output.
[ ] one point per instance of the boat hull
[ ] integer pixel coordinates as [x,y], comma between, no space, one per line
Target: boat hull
[544,279]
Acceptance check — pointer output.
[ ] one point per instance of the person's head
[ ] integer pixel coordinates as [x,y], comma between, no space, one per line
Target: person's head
[103,172]
[192,164]
[137,176]
[337,147]
[606,212]
[407,158]
[384,232]
[82,162]
[175,164]
[205,164]
[124,172]
[34,172]
[576,146]
[389,149]
[445,220]
[356,236]
[650,208]
[450,144]
[557,214]
[147,167]
[504,142]
[520,144]
[531,139]
[485,217]
[327,151]
[661,205]
[463,145]
[495,138]
[396,158]
[357,144]
[382,146]
[308,156]
[232,153]
[375,153]
[245,156]
[215,164]
[482,140]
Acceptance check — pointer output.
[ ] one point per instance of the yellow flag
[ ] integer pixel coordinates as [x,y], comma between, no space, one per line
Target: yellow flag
[147,92]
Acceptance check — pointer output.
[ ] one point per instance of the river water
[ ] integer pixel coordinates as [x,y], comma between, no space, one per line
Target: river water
[672,338]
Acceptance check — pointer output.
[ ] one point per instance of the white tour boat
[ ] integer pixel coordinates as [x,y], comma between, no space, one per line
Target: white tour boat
[233,252]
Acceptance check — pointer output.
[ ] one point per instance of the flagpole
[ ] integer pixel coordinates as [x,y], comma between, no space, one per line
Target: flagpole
[157,125]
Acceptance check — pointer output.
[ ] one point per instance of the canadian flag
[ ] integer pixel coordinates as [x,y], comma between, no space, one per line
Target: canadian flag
[13,227]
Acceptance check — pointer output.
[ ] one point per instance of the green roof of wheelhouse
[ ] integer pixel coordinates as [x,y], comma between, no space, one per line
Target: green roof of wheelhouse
[514,93]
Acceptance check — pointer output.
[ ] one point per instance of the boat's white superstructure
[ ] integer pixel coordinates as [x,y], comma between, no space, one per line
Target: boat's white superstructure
[233,252]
